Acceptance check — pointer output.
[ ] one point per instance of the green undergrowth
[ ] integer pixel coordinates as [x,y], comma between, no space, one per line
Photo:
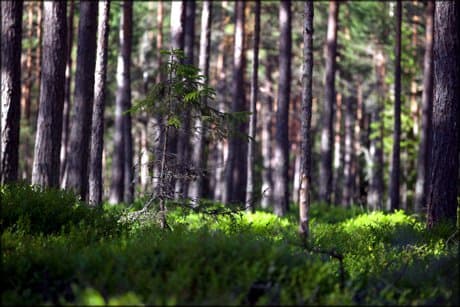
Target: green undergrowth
[56,250]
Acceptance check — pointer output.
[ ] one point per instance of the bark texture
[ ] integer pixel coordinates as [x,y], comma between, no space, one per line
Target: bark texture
[97,128]
[306,137]
[281,152]
[76,172]
[45,170]
[11,23]
[442,198]
[327,132]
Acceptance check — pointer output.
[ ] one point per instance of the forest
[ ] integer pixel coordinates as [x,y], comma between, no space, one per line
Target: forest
[230,152]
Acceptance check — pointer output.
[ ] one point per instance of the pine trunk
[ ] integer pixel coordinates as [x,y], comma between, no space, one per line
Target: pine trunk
[11,22]
[45,170]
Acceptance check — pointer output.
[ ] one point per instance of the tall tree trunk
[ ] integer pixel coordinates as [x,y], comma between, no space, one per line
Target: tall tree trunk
[327,133]
[97,128]
[423,164]
[337,176]
[395,160]
[442,197]
[27,85]
[281,167]
[266,137]
[250,192]
[234,188]
[348,175]
[38,51]
[125,47]
[11,22]
[76,173]
[306,138]
[375,158]
[183,144]
[45,171]
[196,187]
[67,89]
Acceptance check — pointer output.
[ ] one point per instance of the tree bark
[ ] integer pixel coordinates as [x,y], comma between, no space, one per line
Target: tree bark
[27,85]
[234,188]
[45,171]
[97,128]
[76,173]
[67,89]
[11,22]
[306,137]
[348,175]
[423,164]
[442,198]
[183,144]
[250,192]
[337,175]
[281,167]
[327,132]
[196,187]
[396,156]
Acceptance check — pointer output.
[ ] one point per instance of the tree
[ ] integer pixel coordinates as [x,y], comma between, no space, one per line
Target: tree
[348,182]
[11,22]
[196,187]
[45,171]
[325,184]
[427,109]
[76,171]
[250,191]
[121,184]
[234,186]
[97,128]
[281,152]
[67,89]
[183,144]
[442,197]
[395,160]
[306,140]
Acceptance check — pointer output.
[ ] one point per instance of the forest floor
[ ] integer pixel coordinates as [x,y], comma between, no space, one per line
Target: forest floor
[56,250]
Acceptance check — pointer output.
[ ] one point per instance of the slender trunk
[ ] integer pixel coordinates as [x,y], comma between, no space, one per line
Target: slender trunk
[45,171]
[76,173]
[97,129]
[38,51]
[11,25]
[427,107]
[348,175]
[357,169]
[27,85]
[183,144]
[67,89]
[395,160]
[281,167]
[442,197]
[196,187]
[337,175]
[327,133]
[126,47]
[266,138]
[234,189]
[250,192]
[306,137]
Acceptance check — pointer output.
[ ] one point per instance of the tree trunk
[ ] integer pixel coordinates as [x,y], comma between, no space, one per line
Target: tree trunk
[11,22]
[442,197]
[327,133]
[250,192]
[67,89]
[76,173]
[306,137]
[196,187]
[357,169]
[395,160]
[348,182]
[27,85]
[97,129]
[38,51]
[375,158]
[45,171]
[423,164]
[337,175]
[183,144]
[125,47]
[266,137]
[281,167]
[234,188]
